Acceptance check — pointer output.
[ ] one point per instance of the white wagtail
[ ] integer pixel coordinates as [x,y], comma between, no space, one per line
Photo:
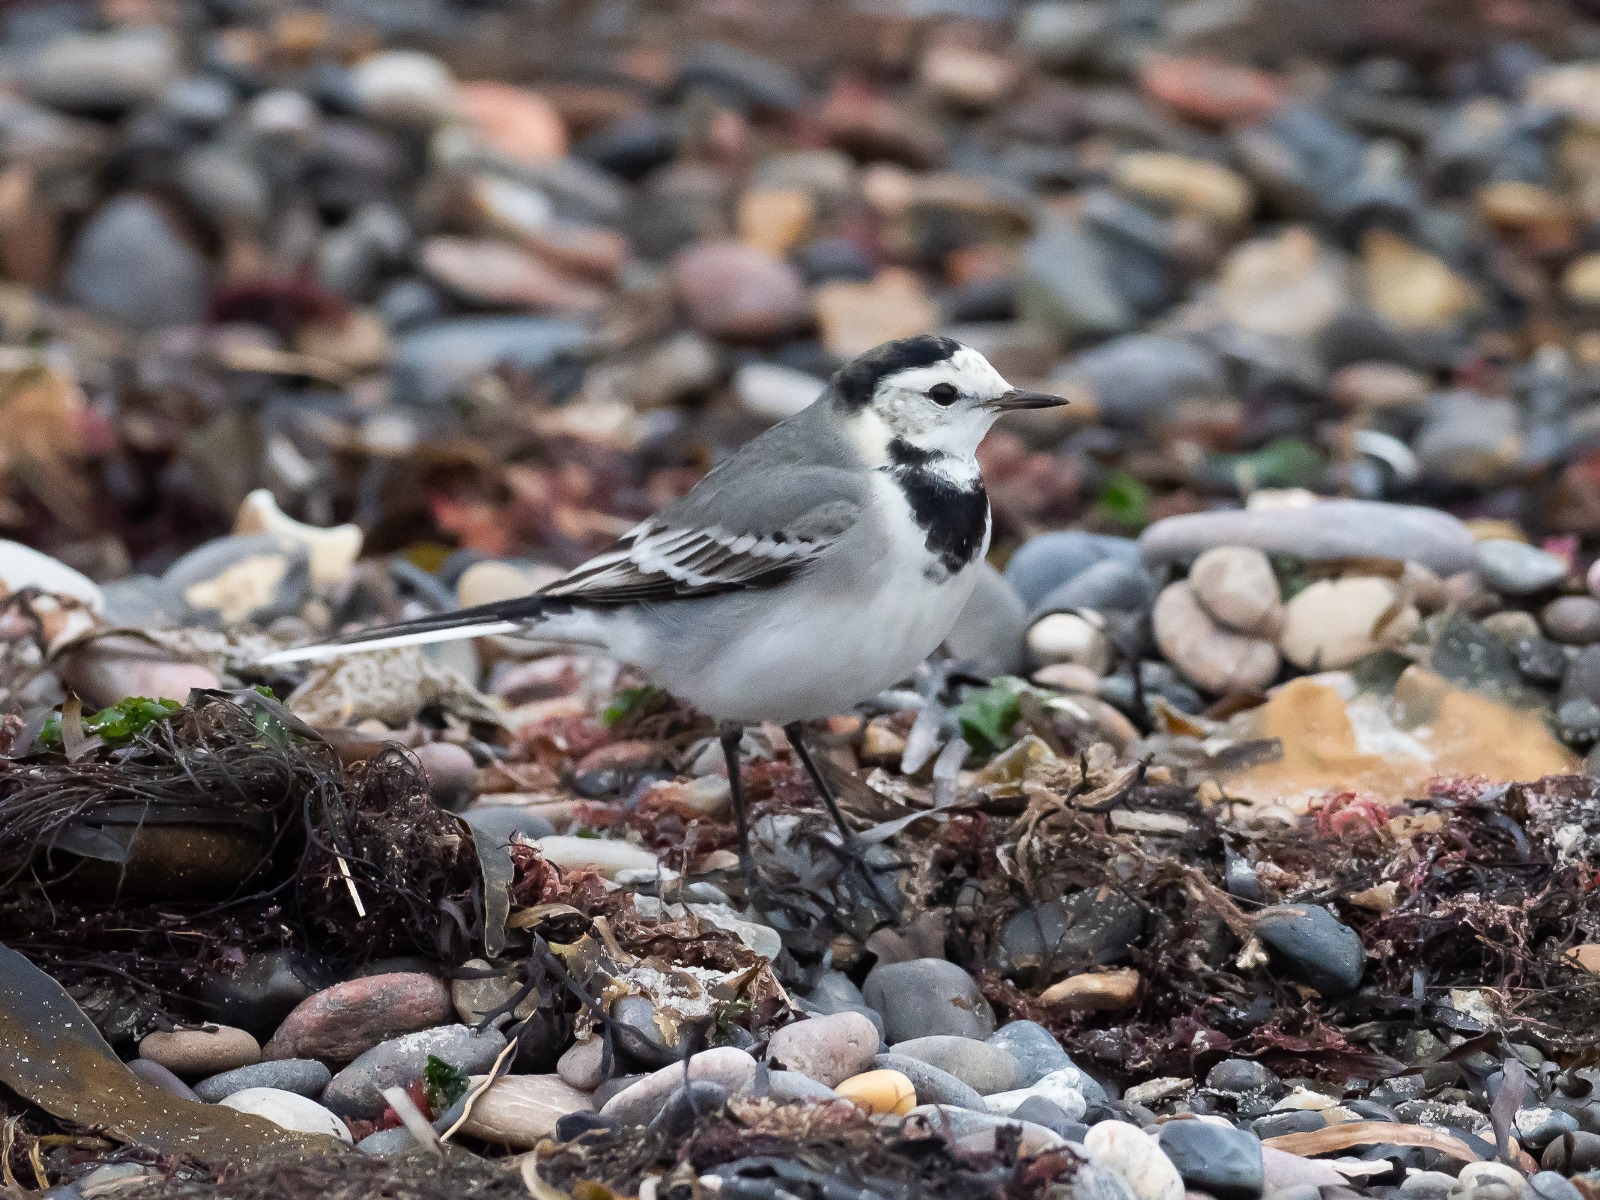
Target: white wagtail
[812,569]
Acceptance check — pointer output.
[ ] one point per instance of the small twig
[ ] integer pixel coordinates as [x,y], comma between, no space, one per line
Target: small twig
[350,883]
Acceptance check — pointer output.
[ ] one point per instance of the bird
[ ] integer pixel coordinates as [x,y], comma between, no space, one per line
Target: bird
[814,567]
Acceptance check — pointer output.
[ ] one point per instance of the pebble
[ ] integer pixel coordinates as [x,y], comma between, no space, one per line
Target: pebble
[476,992]
[829,1049]
[932,1085]
[22,566]
[201,1051]
[855,317]
[1143,377]
[108,669]
[102,73]
[1068,1088]
[984,1133]
[129,264]
[983,1067]
[387,1143]
[450,772]
[639,1102]
[786,1086]
[1135,1156]
[1552,1185]
[1237,588]
[1213,657]
[1310,945]
[1185,185]
[1044,563]
[154,1073]
[774,392]
[880,1092]
[1517,569]
[1068,287]
[289,1110]
[520,1111]
[1106,991]
[1475,1175]
[835,992]
[1573,620]
[252,577]
[1573,1153]
[339,1023]
[1108,586]
[1034,1048]
[1335,622]
[740,292]
[405,87]
[1069,638]
[580,1064]
[1215,1159]
[927,996]
[262,991]
[607,855]
[399,1062]
[435,360]
[302,1076]
[1327,530]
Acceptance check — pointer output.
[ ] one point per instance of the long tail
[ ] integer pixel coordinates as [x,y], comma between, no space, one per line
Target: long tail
[485,620]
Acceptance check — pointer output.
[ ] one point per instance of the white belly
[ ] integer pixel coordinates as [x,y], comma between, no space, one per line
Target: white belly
[821,645]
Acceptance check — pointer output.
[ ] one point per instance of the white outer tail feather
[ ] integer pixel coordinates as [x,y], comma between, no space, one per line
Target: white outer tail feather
[325,650]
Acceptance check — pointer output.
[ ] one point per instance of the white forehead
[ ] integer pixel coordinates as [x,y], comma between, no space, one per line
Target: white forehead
[967,370]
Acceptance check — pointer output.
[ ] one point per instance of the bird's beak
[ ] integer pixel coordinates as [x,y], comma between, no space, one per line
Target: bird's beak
[1017,398]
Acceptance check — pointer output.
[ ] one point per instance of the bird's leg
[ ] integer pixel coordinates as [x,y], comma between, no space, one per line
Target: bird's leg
[852,847]
[730,735]
[796,738]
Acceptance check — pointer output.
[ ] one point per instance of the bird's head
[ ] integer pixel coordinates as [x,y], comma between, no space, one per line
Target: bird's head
[927,392]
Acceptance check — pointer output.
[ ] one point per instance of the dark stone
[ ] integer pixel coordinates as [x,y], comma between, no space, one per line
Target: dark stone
[1277,1124]
[1044,563]
[1091,927]
[1572,1153]
[1225,1162]
[831,258]
[1552,1185]
[1310,946]
[1041,1111]
[575,1125]
[259,994]
[688,1106]
[1540,661]
[1241,1077]
[302,1076]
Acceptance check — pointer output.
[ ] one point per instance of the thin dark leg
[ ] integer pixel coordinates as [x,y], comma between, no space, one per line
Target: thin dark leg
[797,739]
[852,848]
[730,737]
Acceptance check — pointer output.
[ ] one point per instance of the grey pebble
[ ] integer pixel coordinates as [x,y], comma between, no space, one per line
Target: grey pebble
[302,1076]
[927,996]
[398,1062]
[933,1085]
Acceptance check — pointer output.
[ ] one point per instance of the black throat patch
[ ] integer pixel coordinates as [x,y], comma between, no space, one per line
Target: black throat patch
[953,517]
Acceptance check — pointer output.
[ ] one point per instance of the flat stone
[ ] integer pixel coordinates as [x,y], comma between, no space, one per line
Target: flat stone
[828,1049]
[1329,529]
[1335,622]
[639,1102]
[932,1085]
[1515,568]
[357,1090]
[302,1076]
[1131,1153]
[789,1086]
[984,1132]
[195,1052]
[1224,1162]
[339,1023]
[927,996]
[983,1067]
[1096,926]
[288,1110]
[609,856]
[1068,1088]
[522,1110]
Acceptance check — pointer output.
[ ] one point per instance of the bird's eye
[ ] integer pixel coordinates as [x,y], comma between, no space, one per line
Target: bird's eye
[943,393]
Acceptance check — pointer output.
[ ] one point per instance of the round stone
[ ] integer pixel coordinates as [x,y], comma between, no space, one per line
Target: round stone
[194,1052]
[340,1022]
[1235,584]
[1517,569]
[1574,620]
[288,1110]
[829,1049]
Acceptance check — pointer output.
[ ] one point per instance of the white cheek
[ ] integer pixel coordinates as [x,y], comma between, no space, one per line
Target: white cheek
[959,435]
